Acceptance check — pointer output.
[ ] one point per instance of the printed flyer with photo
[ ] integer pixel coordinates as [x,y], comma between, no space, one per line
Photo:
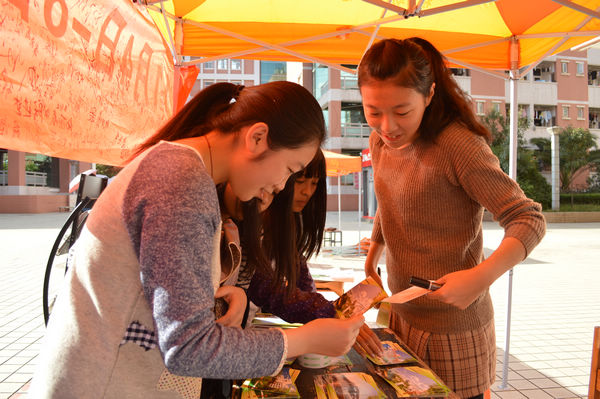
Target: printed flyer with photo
[413,382]
[393,353]
[359,299]
[347,386]
[281,386]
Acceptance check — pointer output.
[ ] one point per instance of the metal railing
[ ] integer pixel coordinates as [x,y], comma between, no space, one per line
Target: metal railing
[36,179]
[355,130]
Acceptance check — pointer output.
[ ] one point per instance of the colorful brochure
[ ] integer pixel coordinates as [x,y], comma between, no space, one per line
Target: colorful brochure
[280,386]
[347,385]
[393,353]
[359,299]
[414,382]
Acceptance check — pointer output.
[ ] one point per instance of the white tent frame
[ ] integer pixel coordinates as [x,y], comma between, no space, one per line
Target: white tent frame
[413,10]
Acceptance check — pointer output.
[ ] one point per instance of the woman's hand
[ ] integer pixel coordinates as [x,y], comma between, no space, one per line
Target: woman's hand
[236,299]
[331,337]
[368,342]
[375,251]
[460,288]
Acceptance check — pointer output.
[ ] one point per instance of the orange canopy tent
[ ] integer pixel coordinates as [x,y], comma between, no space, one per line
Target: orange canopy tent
[496,35]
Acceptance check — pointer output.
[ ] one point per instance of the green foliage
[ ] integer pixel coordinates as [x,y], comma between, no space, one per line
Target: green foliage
[576,152]
[575,147]
[37,165]
[533,184]
[107,170]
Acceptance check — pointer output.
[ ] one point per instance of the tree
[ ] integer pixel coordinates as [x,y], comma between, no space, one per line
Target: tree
[575,147]
[575,153]
[533,184]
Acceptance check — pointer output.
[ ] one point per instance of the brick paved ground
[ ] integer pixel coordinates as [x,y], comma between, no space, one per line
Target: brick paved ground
[556,303]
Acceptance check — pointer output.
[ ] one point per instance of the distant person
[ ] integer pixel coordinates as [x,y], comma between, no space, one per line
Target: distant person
[434,176]
[135,317]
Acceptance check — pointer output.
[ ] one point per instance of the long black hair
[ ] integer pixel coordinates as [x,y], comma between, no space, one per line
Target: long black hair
[312,218]
[289,236]
[415,63]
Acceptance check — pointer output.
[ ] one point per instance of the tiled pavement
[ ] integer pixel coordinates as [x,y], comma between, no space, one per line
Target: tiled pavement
[556,304]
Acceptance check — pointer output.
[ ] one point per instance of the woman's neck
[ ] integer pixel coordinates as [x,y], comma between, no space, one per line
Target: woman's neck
[214,148]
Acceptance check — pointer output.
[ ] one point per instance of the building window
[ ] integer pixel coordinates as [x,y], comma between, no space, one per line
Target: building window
[579,68]
[496,106]
[236,82]
[208,82]
[565,111]
[580,113]
[222,64]
[564,67]
[271,71]
[209,65]
[480,107]
[236,65]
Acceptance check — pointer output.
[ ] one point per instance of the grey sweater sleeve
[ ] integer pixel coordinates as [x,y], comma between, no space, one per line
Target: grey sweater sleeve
[171,213]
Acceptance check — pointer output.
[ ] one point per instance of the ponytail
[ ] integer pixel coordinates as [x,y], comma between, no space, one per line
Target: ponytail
[194,118]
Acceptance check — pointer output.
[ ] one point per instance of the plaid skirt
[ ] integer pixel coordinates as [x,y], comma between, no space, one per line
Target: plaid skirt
[465,361]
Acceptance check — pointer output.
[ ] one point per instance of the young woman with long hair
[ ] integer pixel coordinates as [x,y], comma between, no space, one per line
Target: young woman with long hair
[135,318]
[302,207]
[434,175]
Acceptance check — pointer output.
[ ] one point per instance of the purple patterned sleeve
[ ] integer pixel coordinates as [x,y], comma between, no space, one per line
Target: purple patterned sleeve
[300,306]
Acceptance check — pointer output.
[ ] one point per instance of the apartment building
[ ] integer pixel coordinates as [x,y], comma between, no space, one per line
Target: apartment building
[562,90]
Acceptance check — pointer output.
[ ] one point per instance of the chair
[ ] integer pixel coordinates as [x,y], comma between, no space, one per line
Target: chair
[89,190]
[332,236]
[594,391]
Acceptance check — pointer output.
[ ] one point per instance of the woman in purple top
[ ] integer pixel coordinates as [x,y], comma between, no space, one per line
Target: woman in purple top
[299,209]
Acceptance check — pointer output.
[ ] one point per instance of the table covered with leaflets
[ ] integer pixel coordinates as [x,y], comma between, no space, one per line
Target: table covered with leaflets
[398,373]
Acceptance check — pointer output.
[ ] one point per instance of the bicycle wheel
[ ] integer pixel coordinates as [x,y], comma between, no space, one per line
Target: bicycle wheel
[57,265]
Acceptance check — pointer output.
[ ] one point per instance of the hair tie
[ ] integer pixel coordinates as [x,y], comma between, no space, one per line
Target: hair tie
[236,94]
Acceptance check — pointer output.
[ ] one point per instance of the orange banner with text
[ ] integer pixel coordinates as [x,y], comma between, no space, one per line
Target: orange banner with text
[81,80]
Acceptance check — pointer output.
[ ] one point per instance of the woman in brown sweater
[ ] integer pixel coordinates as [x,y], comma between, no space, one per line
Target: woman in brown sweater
[434,175]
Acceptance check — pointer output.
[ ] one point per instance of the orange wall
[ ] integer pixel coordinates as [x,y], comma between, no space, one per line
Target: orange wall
[483,84]
[349,202]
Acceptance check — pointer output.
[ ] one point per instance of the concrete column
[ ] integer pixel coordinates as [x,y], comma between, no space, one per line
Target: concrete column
[555,160]
[16,168]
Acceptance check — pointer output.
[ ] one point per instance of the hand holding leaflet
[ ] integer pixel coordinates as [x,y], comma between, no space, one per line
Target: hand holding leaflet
[420,288]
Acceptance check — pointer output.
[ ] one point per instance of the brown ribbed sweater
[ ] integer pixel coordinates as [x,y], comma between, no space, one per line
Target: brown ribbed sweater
[430,207]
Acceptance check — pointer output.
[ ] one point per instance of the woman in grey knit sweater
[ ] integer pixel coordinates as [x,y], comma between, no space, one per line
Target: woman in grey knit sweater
[135,317]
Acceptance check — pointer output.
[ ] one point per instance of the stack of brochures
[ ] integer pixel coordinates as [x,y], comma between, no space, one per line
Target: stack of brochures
[265,320]
[347,385]
[393,354]
[413,381]
[281,386]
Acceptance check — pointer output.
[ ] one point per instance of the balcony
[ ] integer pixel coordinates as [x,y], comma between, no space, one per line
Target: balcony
[35,179]
[594,96]
[360,130]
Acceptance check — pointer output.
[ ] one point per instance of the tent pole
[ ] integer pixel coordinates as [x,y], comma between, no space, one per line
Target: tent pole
[359,206]
[339,205]
[514,119]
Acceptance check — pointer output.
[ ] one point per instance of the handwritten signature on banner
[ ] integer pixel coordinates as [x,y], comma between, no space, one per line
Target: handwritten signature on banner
[81,80]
